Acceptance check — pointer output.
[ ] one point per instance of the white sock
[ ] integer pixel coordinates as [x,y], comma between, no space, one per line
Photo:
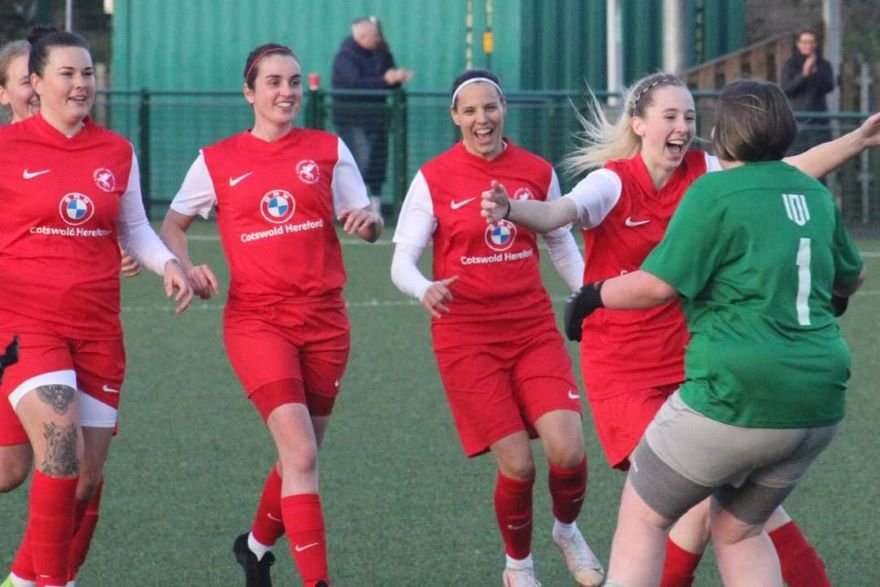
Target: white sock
[258,548]
[520,564]
[562,530]
[19,582]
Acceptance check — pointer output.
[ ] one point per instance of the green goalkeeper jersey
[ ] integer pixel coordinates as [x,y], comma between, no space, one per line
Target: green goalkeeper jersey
[755,252]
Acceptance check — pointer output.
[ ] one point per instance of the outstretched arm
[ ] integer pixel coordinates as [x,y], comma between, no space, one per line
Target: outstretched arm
[534,214]
[634,291]
[824,158]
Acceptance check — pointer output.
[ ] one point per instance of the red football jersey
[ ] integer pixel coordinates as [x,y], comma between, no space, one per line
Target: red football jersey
[626,350]
[275,213]
[497,264]
[59,258]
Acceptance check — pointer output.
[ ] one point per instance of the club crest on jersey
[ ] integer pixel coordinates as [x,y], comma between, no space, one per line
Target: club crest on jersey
[277,206]
[76,208]
[499,236]
[104,179]
[307,171]
[523,194]
[796,208]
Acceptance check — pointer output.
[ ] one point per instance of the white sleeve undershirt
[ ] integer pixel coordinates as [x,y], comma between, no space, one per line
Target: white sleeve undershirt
[595,196]
[712,163]
[349,190]
[136,236]
[415,229]
[563,249]
[196,196]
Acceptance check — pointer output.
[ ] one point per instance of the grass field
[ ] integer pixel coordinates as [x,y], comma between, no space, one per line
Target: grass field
[403,506]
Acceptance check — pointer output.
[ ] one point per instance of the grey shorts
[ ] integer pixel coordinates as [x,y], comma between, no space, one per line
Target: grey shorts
[684,457]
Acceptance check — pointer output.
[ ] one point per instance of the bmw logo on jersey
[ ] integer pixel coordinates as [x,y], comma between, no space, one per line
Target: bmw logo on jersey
[277,206]
[76,208]
[500,236]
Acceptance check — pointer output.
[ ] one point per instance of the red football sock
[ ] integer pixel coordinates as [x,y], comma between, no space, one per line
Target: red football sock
[85,522]
[23,564]
[513,509]
[268,524]
[50,527]
[801,564]
[568,488]
[679,566]
[304,523]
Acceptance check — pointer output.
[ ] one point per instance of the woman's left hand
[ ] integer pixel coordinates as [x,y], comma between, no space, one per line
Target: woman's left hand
[129,266]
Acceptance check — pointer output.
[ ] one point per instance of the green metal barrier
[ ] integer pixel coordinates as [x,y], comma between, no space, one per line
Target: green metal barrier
[169,127]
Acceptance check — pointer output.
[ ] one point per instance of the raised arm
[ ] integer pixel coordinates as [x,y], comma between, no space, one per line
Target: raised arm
[534,214]
[824,158]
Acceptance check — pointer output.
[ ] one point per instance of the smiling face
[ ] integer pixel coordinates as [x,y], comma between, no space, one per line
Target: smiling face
[479,112]
[17,93]
[666,127]
[277,92]
[66,87]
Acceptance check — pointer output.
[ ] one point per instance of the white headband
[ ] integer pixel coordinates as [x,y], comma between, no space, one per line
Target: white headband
[474,80]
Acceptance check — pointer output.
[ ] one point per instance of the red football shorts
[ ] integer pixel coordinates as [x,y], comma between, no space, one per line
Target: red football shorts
[289,353]
[499,388]
[621,420]
[99,366]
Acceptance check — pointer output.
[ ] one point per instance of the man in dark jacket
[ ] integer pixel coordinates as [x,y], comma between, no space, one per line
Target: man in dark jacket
[806,79]
[364,62]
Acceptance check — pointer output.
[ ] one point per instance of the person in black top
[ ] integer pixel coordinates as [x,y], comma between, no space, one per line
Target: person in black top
[806,79]
[364,62]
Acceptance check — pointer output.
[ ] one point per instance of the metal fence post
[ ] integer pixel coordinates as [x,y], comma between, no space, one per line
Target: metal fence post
[144,143]
[399,128]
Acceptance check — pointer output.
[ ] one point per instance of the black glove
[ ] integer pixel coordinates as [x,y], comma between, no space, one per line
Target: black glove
[580,305]
[839,304]
[9,356]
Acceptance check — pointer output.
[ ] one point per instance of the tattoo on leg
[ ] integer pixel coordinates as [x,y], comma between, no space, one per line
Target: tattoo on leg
[60,397]
[61,457]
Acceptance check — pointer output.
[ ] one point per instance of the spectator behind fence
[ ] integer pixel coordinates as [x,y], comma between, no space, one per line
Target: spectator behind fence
[806,79]
[364,62]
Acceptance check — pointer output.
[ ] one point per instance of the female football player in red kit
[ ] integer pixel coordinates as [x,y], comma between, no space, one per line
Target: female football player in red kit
[277,190]
[70,189]
[503,363]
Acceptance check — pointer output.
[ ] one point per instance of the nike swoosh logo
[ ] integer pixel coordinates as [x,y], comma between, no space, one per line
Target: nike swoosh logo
[299,548]
[631,223]
[234,181]
[456,205]
[109,389]
[519,526]
[273,518]
[32,174]
[573,395]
